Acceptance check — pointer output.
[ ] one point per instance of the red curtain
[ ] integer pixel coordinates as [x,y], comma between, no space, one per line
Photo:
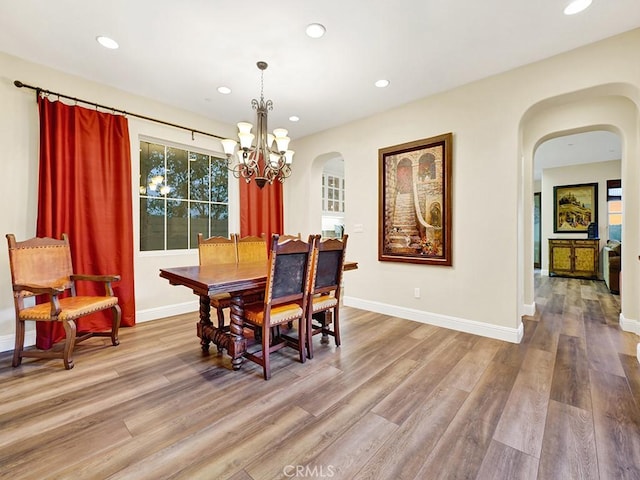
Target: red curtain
[261,210]
[85,191]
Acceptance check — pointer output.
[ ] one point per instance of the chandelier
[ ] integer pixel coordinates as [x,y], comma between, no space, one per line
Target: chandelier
[269,159]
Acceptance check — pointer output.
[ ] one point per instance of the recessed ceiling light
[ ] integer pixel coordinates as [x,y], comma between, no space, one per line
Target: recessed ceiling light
[224,90]
[382,83]
[107,42]
[577,6]
[294,118]
[315,30]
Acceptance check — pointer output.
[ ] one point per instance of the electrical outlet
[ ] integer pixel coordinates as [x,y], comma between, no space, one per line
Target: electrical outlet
[416,292]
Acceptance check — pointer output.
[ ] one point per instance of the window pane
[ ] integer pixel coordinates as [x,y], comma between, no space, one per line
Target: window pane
[177,173]
[151,167]
[177,228]
[615,206]
[615,219]
[615,232]
[219,220]
[151,224]
[219,180]
[199,218]
[199,176]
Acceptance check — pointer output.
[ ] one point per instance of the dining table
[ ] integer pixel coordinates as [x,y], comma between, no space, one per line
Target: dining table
[242,281]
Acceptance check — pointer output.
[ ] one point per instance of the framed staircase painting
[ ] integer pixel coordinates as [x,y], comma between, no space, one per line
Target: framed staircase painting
[414,188]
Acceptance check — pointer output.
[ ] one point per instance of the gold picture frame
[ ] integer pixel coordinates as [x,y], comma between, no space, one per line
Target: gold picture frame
[575,207]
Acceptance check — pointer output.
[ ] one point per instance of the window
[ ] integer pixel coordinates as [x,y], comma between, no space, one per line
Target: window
[182,193]
[332,193]
[332,203]
[614,209]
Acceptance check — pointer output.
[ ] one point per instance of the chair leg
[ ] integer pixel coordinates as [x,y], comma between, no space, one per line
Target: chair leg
[309,335]
[69,343]
[17,351]
[302,339]
[266,345]
[336,326]
[117,315]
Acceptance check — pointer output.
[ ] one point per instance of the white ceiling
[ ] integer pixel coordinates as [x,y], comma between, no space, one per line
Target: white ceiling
[179,52]
[588,147]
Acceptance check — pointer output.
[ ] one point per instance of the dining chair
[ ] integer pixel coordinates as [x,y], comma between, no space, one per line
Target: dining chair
[41,267]
[285,298]
[251,249]
[323,307]
[217,250]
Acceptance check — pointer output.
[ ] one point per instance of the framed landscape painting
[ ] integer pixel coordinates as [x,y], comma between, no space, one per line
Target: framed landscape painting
[574,207]
[415,201]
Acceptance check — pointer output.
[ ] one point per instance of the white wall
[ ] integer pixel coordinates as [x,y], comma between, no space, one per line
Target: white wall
[484,290]
[589,173]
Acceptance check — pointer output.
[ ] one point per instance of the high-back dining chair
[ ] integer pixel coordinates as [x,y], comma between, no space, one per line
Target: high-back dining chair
[251,249]
[217,250]
[42,267]
[284,302]
[323,307]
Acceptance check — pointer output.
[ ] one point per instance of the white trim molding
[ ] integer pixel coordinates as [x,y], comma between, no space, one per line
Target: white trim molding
[513,335]
[629,325]
[529,309]
[8,342]
[167,311]
[633,326]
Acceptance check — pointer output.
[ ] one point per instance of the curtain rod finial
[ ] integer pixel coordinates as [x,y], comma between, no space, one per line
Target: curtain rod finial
[18,84]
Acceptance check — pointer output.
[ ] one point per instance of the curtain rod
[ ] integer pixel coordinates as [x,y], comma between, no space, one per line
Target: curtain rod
[39,90]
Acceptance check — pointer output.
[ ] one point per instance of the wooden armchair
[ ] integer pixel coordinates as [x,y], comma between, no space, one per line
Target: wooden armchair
[42,267]
[216,251]
[284,302]
[323,307]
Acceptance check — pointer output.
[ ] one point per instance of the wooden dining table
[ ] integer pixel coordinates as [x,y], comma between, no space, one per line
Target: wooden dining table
[241,281]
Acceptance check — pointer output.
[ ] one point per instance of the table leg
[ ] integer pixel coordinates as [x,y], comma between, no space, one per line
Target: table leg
[205,322]
[237,342]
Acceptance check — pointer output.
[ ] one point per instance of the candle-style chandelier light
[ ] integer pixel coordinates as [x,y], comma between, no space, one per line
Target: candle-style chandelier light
[269,159]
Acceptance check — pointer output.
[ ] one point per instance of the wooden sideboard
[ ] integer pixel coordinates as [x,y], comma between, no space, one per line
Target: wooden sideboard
[574,257]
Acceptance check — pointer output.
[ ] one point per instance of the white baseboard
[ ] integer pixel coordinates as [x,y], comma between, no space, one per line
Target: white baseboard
[166,311]
[7,342]
[513,335]
[633,326]
[529,309]
[629,325]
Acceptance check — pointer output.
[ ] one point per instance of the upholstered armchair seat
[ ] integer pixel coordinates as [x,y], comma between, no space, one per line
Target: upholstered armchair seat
[71,308]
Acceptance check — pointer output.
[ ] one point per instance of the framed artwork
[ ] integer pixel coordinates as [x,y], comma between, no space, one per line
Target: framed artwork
[574,207]
[415,201]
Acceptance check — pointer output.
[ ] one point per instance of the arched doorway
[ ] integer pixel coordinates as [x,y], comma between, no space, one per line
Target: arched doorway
[609,108]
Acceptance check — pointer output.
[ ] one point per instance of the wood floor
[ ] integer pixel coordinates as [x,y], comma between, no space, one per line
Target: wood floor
[398,400]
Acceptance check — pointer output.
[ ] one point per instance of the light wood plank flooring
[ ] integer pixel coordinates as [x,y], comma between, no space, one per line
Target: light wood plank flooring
[398,400]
